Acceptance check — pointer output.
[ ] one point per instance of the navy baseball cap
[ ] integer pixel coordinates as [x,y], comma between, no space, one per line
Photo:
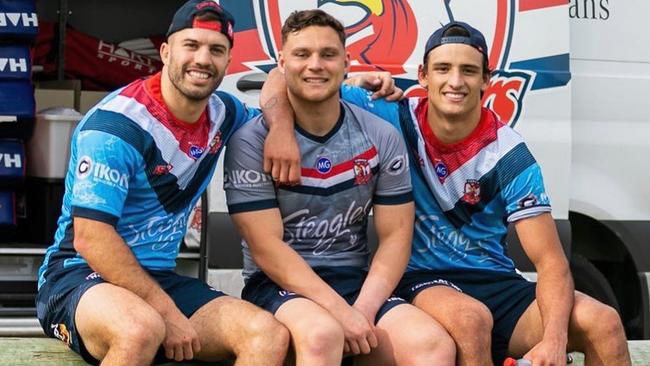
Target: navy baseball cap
[475,38]
[185,18]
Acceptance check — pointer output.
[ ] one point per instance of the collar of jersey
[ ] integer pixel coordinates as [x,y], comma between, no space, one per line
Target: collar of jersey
[152,86]
[323,139]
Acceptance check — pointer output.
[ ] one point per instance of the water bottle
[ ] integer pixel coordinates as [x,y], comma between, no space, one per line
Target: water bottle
[520,362]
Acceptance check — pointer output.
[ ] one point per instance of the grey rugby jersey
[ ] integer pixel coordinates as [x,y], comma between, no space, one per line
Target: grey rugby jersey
[360,162]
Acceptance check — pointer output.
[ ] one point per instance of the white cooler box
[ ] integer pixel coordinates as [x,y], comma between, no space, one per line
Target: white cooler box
[48,151]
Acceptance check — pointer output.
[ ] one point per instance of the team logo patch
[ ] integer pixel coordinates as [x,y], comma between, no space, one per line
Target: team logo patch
[162,169]
[362,171]
[397,165]
[528,201]
[93,276]
[472,192]
[61,332]
[324,165]
[285,293]
[196,151]
[216,143]
[84,167]
[441,169]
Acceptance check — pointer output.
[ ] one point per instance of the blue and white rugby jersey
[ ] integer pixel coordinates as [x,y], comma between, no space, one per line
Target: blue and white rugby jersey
[361,162]
[465,193]
[134,166]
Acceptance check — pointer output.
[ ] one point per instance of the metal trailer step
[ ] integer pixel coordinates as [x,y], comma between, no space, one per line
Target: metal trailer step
[20,327]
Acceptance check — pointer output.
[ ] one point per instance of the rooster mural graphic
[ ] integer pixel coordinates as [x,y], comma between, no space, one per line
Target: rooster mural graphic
[390,34]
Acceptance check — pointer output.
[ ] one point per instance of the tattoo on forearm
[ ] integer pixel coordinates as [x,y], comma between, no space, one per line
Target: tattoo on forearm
[272,102]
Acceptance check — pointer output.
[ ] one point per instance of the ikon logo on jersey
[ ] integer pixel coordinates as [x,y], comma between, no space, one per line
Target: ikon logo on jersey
[101,173]
[244,178]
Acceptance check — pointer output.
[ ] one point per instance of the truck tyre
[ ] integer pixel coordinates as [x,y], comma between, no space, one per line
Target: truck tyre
[589,280]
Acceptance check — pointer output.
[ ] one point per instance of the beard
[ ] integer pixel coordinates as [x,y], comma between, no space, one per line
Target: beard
[177,74]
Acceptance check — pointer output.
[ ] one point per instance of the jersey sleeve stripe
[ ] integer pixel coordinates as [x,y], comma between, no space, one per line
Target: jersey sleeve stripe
[527,212]
[88,213]
[252,206]
[393,200]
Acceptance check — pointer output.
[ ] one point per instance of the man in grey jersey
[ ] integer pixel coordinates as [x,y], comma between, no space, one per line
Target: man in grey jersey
[306,257]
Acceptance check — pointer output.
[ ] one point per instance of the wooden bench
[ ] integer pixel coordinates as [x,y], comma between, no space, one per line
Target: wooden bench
[51,352]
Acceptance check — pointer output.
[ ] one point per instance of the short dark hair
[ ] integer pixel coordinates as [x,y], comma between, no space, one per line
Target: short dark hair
[302,19]
[459,31]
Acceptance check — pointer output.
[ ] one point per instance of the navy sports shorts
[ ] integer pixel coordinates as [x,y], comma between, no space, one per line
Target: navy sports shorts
[57,299]
[346,281]
[506,294]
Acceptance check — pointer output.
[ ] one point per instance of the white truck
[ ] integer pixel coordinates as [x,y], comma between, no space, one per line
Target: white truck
[572,78]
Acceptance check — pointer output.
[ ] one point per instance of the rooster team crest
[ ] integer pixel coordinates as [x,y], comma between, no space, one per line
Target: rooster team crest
[472,193]
[216,143]
[362,171]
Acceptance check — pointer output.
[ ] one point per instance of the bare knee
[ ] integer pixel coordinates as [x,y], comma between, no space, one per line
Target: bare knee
[432,348]
[471,318]
[266,334]
[605,324]
[145,333]
[319,341]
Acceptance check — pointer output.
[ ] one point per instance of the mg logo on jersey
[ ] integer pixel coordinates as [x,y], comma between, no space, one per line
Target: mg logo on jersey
[324,165]
[196,151]
[441,170]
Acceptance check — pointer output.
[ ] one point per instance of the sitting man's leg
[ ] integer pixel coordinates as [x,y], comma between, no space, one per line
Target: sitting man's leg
[595,329]
[408,336]
[111,322]
[98,320]
[118,327]
[227,327]
[467,320]
[316,335]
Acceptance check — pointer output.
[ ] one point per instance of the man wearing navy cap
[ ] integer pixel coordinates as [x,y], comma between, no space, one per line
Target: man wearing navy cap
[473,175]
[140,160]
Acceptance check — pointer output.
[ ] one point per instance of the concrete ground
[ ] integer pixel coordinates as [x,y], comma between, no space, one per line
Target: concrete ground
[51,352]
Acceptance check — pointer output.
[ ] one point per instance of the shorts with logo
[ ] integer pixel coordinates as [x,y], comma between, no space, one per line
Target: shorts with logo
[506,294]
[57,299]
[346,281]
